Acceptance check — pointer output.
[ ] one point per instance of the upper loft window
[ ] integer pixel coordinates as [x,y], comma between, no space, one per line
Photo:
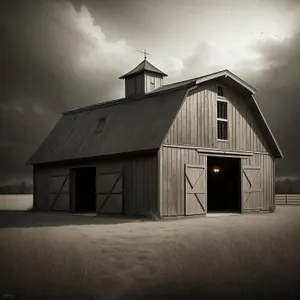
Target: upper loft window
[100,125]
[220,91]
[222,120]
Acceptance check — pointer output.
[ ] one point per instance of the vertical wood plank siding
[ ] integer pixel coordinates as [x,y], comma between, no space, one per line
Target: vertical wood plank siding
[172,178]
[172,161]
[156,78]
[195,125]
[196,122]
[140,179]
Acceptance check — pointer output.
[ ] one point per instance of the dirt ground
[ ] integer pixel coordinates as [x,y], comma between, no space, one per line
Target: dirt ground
[61,256]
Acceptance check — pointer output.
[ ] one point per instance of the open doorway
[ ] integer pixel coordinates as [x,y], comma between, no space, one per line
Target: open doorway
[223,185]
[84,196]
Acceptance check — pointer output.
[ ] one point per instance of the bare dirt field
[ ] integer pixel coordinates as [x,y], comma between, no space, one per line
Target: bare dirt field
[61,256]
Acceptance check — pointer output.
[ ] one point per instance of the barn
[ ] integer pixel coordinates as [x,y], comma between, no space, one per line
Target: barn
[188,148]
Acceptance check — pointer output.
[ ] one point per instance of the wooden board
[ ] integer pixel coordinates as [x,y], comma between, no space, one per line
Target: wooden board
[195,189]
[109,190]
[251,185]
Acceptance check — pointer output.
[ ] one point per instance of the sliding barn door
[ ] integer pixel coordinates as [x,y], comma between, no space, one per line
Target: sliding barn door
[109,189]
[251,188]
[195,190]
[58,192]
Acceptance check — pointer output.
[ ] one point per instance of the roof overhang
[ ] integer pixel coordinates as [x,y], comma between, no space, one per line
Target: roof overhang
[227,74]
[279,153]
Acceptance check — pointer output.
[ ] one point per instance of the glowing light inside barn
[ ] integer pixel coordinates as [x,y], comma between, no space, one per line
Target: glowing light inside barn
[216,170]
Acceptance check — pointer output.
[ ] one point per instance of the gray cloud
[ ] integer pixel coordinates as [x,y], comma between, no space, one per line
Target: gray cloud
[56,57]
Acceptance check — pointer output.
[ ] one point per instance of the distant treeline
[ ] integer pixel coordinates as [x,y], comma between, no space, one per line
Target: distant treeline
[21,188]
[286,186]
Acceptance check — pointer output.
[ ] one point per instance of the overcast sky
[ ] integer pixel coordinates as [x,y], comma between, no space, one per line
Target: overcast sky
[59,55]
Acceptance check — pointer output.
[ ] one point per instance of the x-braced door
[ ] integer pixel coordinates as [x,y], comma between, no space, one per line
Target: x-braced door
[195,190]
[109,190]
[58,192]
[251,188]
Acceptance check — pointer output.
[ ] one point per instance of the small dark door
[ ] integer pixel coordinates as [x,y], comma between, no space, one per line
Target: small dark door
[109,192]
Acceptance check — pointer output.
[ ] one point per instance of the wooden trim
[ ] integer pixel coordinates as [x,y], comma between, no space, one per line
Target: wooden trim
[226,73]
[34,188]
[268,128]
[159,178]
[251,167]
[213,149]
[225,153]
[195,166]
[274,189]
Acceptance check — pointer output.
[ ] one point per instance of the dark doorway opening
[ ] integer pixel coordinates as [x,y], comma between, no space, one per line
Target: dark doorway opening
[223,184]
[85,190]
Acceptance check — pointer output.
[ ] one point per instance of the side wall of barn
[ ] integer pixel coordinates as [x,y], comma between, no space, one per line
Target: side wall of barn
[140,182]
[172,180]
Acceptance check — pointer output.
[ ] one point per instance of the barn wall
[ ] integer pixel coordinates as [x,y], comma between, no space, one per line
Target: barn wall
[171,170]
[265,199]
[172,162]
[140,178]
[196,122]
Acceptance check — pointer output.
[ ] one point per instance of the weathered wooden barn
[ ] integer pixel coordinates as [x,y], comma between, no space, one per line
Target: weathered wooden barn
[188,148]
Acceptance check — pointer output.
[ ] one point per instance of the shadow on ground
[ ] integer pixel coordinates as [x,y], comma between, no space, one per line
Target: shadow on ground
[24,219]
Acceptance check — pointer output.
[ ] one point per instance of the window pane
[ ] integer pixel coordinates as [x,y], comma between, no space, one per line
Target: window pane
[222,110]
[222,130]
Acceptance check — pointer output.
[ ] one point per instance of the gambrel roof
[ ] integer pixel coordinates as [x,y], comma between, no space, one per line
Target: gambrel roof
[132,124]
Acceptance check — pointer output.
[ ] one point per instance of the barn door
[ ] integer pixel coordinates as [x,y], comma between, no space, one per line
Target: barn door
[58,192]
[251,188]
[195,190]
[109,189]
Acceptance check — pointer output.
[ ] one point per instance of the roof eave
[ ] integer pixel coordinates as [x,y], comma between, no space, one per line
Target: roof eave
[227,73]
[127,75]
[279,153]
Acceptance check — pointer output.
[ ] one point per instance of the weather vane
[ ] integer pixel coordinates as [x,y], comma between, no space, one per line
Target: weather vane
[145,53]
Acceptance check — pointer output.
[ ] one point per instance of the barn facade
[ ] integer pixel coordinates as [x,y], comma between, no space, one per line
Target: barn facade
[188,148]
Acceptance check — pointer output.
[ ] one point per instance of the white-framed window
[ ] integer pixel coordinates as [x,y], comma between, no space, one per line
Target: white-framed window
[222,115]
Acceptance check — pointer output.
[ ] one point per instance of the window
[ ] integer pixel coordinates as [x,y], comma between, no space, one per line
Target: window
[152,84]
[100,125]
[220,91]
[222,120]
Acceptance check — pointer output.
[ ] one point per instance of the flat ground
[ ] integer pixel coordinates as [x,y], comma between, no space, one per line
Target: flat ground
[61,256]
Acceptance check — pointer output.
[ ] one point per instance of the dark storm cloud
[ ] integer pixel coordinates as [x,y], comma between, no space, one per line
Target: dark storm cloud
[278,96]
[54,58]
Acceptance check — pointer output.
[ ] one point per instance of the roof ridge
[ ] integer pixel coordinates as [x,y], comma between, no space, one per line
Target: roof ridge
[122,100]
